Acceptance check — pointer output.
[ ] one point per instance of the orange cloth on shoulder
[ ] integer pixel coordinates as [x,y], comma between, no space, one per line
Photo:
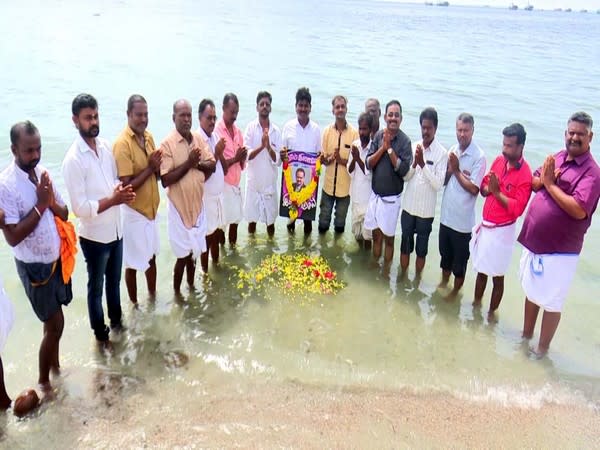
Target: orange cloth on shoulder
[68,247]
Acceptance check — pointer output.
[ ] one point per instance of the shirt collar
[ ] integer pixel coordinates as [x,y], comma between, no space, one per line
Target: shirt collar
[581,159]
[83,146]
[21,173]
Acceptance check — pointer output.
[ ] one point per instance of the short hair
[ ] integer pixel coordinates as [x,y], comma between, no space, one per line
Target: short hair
[303,94]
[204,103]
[262,94]
[429,113]
[300,169]
[15,131]
[83,101]
[515,129]
[374,100]
[582,117]
[339,97]
[135,98]
[465,117]
[230,97]
[366,117]
[393,102]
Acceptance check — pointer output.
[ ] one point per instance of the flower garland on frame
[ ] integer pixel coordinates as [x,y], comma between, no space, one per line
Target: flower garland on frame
[303,195]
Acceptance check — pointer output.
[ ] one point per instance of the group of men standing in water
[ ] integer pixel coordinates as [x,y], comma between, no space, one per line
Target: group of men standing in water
[374,171]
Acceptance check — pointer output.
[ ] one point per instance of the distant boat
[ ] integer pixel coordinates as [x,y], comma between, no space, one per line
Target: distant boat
[443,4]
[529,7]
[568,10]
[584,11]
[513,7]
[429,3]
[558,9]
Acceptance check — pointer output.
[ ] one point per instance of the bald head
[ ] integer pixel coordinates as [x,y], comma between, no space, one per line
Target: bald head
[179,103]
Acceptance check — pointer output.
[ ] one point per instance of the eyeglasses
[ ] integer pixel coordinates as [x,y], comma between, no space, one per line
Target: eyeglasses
[393,114]
[211,118]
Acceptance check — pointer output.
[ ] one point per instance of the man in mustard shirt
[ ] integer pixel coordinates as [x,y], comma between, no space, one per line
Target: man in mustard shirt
[138,164]
[336,143]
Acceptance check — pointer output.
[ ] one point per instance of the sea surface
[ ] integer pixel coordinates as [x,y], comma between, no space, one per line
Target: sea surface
[379,332]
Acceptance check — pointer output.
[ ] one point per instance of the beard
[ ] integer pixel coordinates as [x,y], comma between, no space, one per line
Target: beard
[29,166]
[91,132]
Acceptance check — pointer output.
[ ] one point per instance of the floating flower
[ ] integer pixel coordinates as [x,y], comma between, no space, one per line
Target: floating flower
[296,276]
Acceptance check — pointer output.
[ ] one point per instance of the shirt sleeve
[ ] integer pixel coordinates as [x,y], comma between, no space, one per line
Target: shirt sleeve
[519,195]
[166,164]
[436,176]
[406,158]
[8,203]
[123,159]
[75,182]
[276,145]
[478,172]
[375,144]
[587,192]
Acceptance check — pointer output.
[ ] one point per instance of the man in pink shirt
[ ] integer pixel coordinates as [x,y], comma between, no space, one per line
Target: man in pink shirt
[506,188]
[235,156]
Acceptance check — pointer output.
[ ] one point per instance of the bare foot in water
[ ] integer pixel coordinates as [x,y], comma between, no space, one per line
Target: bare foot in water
[105,347]
[26,402]
[476,303]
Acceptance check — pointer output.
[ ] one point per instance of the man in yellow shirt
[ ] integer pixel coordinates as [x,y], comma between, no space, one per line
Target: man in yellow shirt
[138,164]
[337,143]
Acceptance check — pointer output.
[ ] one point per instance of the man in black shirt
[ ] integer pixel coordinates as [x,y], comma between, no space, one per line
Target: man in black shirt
[389,159]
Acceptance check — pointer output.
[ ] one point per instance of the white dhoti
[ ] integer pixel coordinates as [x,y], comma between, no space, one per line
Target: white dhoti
[546,278]
[359,231]
[233,204]
[491,248]
[214,206]
[261,206]
[382,213]
[7,316]
[141,239]
[183,240]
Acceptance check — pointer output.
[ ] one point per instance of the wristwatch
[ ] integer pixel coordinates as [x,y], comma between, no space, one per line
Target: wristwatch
[390,151]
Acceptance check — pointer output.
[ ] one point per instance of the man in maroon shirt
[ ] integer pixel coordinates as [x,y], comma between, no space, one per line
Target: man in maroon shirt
[506,188]
[567,189]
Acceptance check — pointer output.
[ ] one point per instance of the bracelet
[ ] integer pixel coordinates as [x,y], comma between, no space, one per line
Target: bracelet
[37,211]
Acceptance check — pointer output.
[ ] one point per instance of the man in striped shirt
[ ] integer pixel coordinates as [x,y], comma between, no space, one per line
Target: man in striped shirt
[423,181]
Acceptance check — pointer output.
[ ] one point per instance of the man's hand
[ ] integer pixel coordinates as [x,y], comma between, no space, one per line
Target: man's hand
[241,154]
[493,184]
[355,153]
[194,157]
[419,160]
[548,173]
[123,194]
[387,140]
[44,191]
[453,166]
[154,160]
[220,148]
[2,219]
[265,139]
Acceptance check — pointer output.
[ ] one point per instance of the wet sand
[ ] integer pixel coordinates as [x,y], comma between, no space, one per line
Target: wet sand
[299,416]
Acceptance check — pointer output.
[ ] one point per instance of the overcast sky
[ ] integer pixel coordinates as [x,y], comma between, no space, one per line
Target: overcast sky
[575,5]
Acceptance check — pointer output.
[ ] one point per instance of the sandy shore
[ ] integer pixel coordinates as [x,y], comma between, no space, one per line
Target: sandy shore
[299,416]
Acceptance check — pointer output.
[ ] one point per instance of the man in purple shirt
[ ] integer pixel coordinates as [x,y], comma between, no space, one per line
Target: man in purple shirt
[567,189]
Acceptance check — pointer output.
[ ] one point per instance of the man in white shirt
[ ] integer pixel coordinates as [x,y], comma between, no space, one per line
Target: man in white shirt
[360,187]
[301,134]
[466,169]
[423,181]
[214,199]
[90,174]
[263,139]
[30,204]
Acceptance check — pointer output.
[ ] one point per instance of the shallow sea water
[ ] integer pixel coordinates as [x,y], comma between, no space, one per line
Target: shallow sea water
[379,332]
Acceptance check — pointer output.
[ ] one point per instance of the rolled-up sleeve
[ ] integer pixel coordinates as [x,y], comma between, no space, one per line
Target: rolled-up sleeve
[74,176]
[405,159]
